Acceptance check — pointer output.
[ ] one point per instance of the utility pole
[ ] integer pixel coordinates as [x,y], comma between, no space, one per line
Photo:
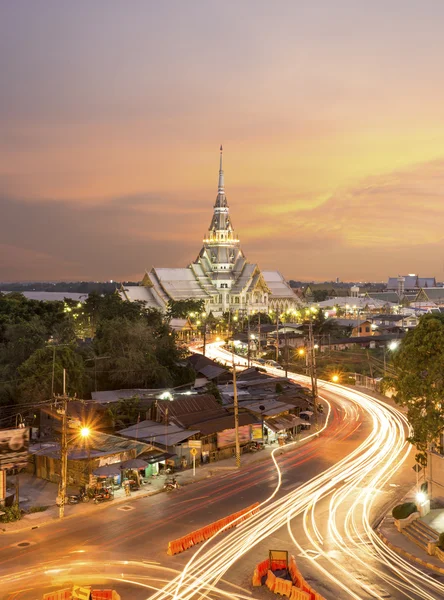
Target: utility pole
[286,354]
[259,334]
[313,375]
[63,450]
[277,335]
[248,339]
[236,417]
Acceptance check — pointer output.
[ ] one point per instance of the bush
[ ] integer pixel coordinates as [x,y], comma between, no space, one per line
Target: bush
[402,511]
[441,541]
[34,509]
[12,513]
[279,388]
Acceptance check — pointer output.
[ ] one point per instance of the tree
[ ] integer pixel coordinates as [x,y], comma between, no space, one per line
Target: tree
[180,309]
[131,347]
[419,379]
[35,374]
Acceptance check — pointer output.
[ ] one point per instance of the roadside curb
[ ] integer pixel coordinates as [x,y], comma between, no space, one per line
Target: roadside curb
[211,474]
[406,554]
[31,527]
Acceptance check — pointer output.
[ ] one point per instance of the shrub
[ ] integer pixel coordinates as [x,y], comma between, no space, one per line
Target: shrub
[402,511]
[279,388]
[12,513]
[441,541]
[34,509]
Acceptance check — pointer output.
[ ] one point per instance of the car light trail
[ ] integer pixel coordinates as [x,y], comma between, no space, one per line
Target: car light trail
[352,485]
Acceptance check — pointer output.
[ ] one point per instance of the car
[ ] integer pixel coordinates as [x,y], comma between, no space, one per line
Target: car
[274,364]
[260,361]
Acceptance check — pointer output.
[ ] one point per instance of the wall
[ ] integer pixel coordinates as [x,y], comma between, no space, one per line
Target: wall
[435,475]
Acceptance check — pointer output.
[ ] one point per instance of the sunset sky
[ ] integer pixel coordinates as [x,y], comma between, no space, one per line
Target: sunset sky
[331,113]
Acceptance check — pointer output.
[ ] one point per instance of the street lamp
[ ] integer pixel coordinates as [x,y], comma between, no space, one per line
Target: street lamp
[335,378]
[392,347]
[84,432]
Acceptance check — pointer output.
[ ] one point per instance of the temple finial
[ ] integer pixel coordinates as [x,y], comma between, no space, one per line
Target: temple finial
[221,187]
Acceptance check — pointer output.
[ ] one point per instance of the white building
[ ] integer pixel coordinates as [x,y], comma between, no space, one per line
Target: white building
[220,275]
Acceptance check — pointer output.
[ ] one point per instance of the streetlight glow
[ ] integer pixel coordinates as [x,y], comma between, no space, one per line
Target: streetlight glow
[85,432]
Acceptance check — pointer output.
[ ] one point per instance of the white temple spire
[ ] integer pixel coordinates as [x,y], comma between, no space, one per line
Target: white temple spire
[221,187]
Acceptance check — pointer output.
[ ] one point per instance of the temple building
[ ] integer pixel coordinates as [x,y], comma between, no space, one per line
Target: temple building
[220,275]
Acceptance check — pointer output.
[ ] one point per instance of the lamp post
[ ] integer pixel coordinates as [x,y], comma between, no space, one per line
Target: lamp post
[84,432]
[236,418]
[392,346]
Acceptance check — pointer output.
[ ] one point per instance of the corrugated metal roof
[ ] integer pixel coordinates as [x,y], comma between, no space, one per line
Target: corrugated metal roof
[285,422]
[222,423]
[157,433]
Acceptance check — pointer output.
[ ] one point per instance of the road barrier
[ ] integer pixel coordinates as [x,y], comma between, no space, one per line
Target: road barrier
[295,589]
[205,533]
[77,592]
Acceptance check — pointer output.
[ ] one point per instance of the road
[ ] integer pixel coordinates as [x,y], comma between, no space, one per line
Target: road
[143,532]
[317,500]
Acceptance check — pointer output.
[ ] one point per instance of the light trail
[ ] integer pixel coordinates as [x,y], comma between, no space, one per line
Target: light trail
[352,485]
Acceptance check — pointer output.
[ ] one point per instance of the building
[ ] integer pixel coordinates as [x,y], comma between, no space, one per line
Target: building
[409,283]
[221,276]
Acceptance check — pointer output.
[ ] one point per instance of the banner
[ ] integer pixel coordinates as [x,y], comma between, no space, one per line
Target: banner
[227,437]
[256,432]
[14,445]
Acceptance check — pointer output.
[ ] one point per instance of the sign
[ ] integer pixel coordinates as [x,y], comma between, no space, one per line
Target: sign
[193,451]
[195,444]
[14,444]
[81,593]
[256,431]
[227,437]
[417,468]
[2,485]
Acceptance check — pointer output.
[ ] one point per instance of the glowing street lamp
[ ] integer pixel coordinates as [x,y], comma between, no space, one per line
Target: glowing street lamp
[335,378]
[85,432]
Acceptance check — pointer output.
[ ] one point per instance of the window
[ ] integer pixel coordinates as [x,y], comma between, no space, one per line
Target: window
[367,329]
[236,300]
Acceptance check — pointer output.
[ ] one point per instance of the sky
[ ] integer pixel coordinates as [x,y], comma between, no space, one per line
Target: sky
[331,113]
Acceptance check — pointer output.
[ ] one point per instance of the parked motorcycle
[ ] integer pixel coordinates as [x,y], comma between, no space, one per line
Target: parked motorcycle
[103,496]
[82,496]
[172,484]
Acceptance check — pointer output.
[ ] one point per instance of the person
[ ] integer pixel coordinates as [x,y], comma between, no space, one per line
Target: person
[126,485]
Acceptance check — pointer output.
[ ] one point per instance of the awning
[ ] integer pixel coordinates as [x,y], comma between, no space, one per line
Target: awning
[134,463]
[282,423]
[108,470]
[158,458]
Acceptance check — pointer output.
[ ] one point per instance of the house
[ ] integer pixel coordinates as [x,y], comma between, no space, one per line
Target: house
[207,370]
[84,456]
[409,283]
[79,412]
[363,328]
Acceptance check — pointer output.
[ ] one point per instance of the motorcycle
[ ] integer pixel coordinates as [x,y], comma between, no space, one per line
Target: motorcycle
[103,496]
[82,496]
[172,484]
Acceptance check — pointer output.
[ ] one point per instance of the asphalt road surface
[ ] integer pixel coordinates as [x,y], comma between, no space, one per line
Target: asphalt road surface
[140,530]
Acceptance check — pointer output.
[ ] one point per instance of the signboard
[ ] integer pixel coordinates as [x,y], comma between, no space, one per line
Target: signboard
[81,593]
[193,451]
[256,432]
[2,485]
[14,444]
[227,437]
[195,444]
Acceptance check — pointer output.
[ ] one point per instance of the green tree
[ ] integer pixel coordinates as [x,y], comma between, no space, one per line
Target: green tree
[131,347]
[35,374]
[180,309]
[419,379]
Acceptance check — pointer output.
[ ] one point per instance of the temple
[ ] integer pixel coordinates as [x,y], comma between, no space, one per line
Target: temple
[220,275]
